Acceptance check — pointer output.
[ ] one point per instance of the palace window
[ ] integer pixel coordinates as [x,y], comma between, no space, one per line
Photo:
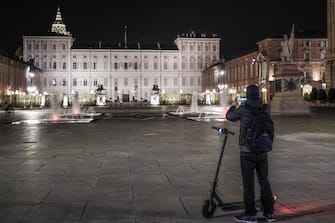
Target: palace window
[183,81]
[74,82]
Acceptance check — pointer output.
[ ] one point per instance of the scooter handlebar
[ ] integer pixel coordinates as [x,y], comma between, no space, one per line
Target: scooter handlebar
[223,130]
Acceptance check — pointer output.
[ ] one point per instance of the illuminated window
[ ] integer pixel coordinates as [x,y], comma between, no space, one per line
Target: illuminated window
[307,43]
[306,56]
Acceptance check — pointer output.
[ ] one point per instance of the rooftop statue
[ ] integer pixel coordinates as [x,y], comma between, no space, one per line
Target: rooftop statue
[287,47]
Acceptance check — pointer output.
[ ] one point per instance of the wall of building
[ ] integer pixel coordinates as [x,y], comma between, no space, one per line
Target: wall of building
[124,73]
[259,67]
[240,72]
[13,81]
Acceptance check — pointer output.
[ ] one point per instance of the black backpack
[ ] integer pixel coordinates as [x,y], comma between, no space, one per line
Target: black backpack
[260,131]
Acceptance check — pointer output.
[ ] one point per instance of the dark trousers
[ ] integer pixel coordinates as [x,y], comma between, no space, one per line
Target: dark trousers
[249,163]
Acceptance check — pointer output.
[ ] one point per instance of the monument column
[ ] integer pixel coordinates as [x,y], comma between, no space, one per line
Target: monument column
[288,99]
[330,56]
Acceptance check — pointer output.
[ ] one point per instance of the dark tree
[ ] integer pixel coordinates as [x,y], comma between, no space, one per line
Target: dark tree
[331,95]
[314,94]
[322,95]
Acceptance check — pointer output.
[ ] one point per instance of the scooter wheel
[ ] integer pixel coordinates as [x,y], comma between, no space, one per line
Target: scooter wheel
[208,209]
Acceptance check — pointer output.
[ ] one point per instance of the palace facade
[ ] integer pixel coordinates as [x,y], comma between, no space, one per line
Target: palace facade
[126,73]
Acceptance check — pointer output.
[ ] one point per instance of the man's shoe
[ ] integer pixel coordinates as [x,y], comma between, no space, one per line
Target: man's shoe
[269,217]
[245,218]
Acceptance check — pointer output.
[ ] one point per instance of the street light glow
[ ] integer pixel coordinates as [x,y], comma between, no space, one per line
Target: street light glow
[31,89]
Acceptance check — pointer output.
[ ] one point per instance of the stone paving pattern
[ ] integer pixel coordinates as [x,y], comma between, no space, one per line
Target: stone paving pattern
[138,166]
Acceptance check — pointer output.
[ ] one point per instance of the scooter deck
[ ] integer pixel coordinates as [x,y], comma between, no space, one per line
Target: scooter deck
[237,205]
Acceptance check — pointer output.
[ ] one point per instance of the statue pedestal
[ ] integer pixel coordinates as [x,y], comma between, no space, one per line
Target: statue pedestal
[288,99]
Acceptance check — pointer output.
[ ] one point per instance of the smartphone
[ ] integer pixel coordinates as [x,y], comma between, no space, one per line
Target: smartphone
[241,100]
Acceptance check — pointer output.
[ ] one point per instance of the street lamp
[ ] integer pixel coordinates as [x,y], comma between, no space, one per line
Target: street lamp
[31,88]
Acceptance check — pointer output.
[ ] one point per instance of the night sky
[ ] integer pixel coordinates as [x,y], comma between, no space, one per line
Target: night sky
[240,23]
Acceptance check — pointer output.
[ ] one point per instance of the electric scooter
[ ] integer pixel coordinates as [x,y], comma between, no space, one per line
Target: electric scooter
[210,205]
[214,199]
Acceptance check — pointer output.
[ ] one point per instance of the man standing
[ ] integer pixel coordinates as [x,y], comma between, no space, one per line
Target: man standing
[251,159]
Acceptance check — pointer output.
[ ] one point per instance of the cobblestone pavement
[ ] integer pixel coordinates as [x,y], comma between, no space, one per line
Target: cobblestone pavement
[144,165]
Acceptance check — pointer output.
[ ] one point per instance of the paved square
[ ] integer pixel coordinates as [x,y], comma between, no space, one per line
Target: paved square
[145,166]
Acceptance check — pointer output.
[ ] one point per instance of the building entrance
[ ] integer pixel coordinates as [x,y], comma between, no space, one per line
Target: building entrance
[125,97]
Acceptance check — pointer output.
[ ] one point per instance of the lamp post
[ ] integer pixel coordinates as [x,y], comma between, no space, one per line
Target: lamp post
[30,85]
